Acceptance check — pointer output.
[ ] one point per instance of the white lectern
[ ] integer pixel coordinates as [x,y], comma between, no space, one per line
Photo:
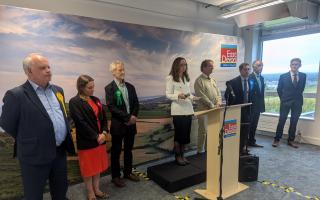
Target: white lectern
[230,184]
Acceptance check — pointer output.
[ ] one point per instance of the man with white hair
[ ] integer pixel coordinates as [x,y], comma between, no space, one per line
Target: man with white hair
[34,114]
[122,101]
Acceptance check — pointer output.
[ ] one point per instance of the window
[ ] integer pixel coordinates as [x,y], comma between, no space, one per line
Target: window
[276,57]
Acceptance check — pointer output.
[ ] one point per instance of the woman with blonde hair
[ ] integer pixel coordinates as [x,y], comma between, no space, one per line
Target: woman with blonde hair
[91,125]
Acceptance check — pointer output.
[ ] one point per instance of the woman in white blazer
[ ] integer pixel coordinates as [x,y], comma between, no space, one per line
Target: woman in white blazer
[178,91]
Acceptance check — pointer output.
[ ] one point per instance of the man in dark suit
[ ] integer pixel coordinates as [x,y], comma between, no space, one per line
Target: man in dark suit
[257,97]
[34,114]
[290,90]
[122,101]
[240,94]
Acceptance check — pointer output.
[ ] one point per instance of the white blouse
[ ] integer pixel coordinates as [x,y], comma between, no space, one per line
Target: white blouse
[173,89]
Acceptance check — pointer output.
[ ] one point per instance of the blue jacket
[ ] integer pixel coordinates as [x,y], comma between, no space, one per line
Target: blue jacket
[27,121]
[288,92]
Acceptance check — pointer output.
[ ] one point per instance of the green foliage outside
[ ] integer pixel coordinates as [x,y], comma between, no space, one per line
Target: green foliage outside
[273,104]
[311,89]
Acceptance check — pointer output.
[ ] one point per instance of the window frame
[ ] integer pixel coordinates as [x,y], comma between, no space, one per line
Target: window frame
[282,35]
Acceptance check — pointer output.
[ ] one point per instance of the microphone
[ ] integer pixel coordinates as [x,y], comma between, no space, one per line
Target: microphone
[230,89]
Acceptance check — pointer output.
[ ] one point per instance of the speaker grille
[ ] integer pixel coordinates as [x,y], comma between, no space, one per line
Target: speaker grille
[248,168]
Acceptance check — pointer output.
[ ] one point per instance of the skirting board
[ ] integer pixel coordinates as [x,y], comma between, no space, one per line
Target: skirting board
[304,139]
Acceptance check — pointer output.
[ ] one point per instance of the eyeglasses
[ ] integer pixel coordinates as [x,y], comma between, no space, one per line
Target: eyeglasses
[183,64]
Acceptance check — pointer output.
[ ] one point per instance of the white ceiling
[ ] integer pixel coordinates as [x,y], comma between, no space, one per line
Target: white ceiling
[286,12]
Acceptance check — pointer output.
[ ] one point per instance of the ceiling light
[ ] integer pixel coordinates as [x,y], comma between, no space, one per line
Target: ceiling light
[239,12]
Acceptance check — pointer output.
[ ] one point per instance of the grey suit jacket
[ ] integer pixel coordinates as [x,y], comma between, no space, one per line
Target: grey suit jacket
[27,121]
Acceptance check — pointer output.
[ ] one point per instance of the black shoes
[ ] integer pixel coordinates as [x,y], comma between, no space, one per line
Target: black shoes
[118,182]
[244,152]
[132,177]
[255,145]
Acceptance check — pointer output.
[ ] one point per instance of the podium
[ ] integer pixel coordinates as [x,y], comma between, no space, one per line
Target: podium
[230,168]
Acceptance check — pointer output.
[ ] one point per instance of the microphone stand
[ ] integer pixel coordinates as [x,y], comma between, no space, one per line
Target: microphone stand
[220,147]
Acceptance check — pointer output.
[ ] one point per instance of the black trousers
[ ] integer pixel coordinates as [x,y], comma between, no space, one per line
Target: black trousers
[285,107]
[245,127]
[182,128]
[255,115]
[244,131]
[128,140]
[34,178]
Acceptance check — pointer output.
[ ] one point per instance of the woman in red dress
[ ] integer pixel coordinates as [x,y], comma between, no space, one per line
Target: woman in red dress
[91,125]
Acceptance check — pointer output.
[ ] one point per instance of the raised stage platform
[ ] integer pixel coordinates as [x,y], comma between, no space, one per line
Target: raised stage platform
[172,177]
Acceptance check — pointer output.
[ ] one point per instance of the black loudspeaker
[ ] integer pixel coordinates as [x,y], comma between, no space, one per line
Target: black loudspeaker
[248,168]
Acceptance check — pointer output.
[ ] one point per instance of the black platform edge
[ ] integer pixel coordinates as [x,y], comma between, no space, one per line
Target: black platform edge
[172,177]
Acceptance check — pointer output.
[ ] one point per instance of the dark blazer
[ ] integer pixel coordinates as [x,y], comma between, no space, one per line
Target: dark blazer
[85,121]
[119,115]
[27,121]
[287,92]
[236,85]
[257,95]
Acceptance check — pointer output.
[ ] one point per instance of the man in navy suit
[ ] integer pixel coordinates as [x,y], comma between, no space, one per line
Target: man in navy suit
[240,94]
[122,101]
[34,114]
[290,90]
[257,97]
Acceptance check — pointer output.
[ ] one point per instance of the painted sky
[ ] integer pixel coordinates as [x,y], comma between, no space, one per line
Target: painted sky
[79,45]
[278,53]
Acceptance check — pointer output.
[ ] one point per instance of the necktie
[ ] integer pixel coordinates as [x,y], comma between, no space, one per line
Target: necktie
[295,80]
[259,81]
[245,91]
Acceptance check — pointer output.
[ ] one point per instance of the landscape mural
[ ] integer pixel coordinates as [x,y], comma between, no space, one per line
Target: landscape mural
[79,45]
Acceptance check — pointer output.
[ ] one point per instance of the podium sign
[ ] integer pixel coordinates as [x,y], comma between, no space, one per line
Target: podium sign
[230,170]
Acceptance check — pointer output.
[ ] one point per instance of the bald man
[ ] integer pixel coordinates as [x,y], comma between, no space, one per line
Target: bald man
[258,105]
[34,114]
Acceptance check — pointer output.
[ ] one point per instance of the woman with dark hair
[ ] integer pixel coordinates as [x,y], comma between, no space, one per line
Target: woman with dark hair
[178,91]
[91,125]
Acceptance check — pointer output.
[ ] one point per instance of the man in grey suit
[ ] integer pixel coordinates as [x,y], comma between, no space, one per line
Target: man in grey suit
[34,114]
[290,90]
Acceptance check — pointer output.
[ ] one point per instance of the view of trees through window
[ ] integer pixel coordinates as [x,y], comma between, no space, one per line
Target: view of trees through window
[276,57]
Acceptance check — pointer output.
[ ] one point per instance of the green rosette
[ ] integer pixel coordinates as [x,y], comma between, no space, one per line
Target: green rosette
[118,95]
